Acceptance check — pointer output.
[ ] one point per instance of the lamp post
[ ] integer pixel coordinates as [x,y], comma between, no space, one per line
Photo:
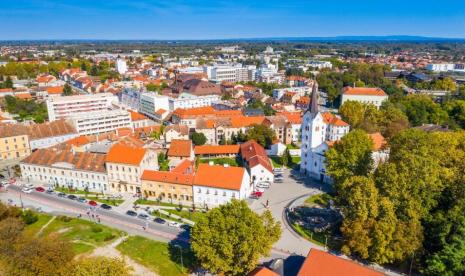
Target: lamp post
[180,250]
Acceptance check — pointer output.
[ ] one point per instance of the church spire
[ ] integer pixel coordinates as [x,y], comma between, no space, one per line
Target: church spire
[314,100]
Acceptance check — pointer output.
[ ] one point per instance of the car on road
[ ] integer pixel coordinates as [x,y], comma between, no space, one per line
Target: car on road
[27,190]
[278,180]
[105,206]
[174,224]
[256,195]
[72,197]
[5,183]
[92,203]
[143,216]
[131,213]
[159,220]
[49,191]
[82,199]
[61,194]
[40,189]
[263,185]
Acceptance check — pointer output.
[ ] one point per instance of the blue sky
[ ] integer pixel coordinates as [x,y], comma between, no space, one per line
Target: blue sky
[208,19]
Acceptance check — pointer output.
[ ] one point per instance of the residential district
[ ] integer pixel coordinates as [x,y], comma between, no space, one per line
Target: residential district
[157,146]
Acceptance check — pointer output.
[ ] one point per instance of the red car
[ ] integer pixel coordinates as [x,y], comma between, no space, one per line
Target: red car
[40,189]
[92,203]
[256,194]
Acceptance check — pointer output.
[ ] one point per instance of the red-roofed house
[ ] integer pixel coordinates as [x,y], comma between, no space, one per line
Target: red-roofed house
[320,263]
[180,150]
[125,165]
[257,162]
[366,95]
[215,185]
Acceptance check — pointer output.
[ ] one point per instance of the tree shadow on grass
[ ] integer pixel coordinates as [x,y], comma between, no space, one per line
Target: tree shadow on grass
[180,252]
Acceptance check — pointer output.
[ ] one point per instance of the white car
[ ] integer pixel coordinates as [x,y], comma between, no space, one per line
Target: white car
[27,190]
[263,185]
[174,224]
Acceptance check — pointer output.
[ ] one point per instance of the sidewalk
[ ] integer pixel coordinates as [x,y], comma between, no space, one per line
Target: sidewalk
[127,204]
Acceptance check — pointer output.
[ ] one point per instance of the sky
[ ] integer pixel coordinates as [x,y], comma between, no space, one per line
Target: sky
[210,19]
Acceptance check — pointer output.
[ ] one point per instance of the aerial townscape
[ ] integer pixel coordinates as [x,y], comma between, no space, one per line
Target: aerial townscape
[131,149]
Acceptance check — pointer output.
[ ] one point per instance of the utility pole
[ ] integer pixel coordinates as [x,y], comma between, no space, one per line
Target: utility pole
[182,264]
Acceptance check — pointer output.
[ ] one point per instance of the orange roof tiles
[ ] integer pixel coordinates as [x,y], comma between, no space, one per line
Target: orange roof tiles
[263,271]
[221,149]
[136,116]
[292,117]
[124,154]
[185,167]
[229,178]
[367,91]
[198,111]
[378,141]
[324,264]
[54,90]
[180,148]
[255,155]
[78,141]
[168,177]
[23,96]
[332,119]
[243,121]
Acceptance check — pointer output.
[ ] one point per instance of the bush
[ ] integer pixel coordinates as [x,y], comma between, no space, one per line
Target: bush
[29,217]
[64,218]
[96,229]
[109,237]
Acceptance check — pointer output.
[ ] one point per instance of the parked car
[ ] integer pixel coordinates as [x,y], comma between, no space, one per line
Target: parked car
[105,206]
[159,220]
[49,191]
[263,185]
[81,199]
[40,189]
[72,197]
[131,213]
[256,195]
[278,180]
[27,190]
[143,216]
[61,194]
[174,224]
[92,203]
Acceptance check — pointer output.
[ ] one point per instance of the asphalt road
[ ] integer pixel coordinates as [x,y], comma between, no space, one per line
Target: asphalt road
[58,205]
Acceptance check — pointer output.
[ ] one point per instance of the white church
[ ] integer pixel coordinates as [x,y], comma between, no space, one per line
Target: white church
[319,131]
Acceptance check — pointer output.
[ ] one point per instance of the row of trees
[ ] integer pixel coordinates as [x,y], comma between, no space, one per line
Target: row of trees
[410,208]
[24,254]
[26,109]
[262,134]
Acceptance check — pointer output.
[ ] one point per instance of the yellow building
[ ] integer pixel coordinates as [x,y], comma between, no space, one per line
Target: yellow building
[14,143]
[174,186]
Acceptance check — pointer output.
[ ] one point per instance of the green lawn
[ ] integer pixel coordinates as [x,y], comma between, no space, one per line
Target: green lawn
[73,191]
[163,216]
[292,146]
[193,216]
[32,229]
[320,199]
[153,254]
[78,230]
[276,160]
[144,201]
[221,161]
[318,238]
[104,199]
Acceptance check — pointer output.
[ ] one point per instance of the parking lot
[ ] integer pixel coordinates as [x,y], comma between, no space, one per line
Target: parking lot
[277,197]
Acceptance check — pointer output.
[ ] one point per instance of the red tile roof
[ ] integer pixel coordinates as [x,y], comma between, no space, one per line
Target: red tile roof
[243,121]
[378,141]
[320,263]
[367,91]
[168,177]
[221,149]
[263,271]
[332,119]
[229,178]
[54,90]
[124,154]
[255,155]
[136,116]
[180,148]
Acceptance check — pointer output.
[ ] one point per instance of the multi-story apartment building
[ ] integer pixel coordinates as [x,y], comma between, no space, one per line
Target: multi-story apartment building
[61,107]
[55,167]
[14,143]
[299,90]
[125,165]
[130,97]
[229,73]
[152,105]
[96,122]
[366,95]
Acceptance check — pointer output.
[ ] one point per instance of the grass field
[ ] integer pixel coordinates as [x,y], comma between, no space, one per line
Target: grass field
[73,191]
[102,199]
[320,199]
[152,254]
[193,216]
[221,161]
[84,235]
[143,201]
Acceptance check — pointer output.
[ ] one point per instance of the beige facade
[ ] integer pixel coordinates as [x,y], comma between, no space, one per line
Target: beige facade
[167,192]
[14,147]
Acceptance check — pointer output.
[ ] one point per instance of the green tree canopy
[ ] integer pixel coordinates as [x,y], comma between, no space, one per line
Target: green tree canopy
[231,238]
[262,134]
[198,138]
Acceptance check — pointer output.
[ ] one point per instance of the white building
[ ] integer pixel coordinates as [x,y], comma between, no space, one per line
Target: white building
[121,66]
[319,131]
[215,185]
[365,95]
[188,100]
[301,91]
[61,107]
[319,64]
[228,73]
[152,104]
[440,67]
[130,97]
[256,160]
[63,168]
[88,123]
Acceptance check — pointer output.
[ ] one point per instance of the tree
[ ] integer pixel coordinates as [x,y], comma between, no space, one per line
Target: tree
[100,266]
[352,112]
[420,109]
[231,238]
[8,82]
[350,156]
[286,158]
[67,91]
[261,134]
[198,138]
[456,111]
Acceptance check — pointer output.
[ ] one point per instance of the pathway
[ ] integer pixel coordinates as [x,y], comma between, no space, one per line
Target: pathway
[45,226]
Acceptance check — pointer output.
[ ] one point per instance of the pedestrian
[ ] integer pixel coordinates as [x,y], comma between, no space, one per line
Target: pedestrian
[143,227]
[92,216]
[98,219]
